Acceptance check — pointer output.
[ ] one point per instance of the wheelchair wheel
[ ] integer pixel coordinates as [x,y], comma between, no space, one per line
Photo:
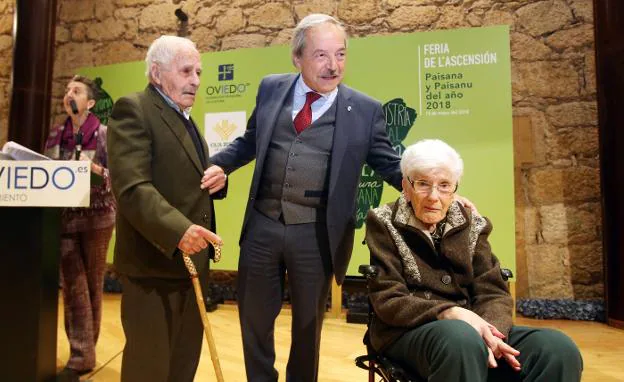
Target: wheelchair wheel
[369,363]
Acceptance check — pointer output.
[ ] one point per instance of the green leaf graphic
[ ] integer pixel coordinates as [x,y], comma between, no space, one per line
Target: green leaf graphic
[104,104]
[399,120]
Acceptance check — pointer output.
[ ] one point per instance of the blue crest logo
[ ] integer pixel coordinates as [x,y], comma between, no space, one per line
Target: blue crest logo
[226,72]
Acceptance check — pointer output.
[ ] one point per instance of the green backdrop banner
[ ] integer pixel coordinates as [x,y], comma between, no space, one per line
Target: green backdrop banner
[454,85]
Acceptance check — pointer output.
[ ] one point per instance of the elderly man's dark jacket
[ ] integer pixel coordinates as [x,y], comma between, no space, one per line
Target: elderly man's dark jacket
[156,173]
[416,282]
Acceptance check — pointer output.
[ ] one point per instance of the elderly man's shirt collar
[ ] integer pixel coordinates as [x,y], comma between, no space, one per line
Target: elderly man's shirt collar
[185,112]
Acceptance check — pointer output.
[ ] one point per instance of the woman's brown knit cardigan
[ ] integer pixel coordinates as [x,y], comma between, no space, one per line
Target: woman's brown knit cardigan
[416,282]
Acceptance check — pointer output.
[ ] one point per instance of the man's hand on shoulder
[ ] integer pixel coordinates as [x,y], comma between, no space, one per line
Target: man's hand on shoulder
[214,179]
[467,204]
[197,238]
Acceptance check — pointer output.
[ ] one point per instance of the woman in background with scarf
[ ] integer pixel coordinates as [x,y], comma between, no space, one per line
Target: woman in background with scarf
[85,232]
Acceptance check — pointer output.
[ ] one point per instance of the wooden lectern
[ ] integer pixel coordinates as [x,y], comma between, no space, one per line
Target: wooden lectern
[29,260]
[31,193]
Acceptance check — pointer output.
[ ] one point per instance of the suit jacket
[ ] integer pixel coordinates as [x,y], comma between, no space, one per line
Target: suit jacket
[155,173]
[359,137]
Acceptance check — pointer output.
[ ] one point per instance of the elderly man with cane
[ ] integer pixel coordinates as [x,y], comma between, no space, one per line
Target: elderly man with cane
[157,158]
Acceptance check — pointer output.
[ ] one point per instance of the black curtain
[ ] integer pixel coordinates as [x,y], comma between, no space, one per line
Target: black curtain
[609,30]
[29,237]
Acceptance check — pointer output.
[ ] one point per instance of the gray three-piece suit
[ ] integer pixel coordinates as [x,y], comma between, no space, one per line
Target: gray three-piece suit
[300,215]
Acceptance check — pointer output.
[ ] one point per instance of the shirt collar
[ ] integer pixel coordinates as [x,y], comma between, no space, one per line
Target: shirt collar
[185,112]
[301,89]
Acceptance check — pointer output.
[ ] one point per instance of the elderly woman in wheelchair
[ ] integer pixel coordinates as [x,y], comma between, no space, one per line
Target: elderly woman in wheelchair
[442,309]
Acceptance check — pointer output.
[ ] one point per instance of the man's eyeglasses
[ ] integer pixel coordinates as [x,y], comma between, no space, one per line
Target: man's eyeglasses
[424,187]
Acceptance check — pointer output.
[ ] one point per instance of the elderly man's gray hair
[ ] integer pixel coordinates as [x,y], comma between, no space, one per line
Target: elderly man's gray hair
[429,154]
[164,49]
[311,21]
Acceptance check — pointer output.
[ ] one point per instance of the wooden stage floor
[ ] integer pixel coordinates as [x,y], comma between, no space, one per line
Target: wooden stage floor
[602,346]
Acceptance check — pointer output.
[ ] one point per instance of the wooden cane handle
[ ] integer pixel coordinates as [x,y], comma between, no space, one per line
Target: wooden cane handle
[217,251]
[191,267]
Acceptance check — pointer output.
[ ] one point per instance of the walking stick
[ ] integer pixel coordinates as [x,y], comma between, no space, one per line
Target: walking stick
[199,296]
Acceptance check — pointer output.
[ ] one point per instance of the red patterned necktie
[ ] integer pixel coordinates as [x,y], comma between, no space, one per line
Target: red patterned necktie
[304,117]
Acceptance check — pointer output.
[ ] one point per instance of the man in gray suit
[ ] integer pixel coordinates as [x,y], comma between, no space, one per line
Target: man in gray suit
[310,136]
[156,159]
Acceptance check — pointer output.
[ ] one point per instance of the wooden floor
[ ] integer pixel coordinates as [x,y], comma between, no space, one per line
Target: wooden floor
[602,346]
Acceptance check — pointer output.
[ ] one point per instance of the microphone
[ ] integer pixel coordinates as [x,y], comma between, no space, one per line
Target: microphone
[74,107]
[78,144]
[78,137]
[181,15]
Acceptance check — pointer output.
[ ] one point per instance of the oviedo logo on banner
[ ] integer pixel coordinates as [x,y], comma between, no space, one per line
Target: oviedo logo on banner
[399,120]
[44,183]
[226,87]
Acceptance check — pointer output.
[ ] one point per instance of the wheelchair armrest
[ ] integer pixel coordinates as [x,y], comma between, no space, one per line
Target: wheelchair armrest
[369,271]
[506,273]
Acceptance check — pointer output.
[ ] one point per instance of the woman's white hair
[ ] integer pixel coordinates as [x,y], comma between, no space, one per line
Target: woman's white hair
[164,49]
[430,154]
[308,22]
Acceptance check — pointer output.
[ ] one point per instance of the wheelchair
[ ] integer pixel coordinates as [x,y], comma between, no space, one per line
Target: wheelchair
[377,364]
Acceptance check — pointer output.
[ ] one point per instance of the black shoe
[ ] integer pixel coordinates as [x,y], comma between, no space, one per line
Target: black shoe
[68,375]
[211,305]
[71,375]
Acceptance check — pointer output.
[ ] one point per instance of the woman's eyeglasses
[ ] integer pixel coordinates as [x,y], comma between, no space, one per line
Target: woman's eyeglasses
[424,187]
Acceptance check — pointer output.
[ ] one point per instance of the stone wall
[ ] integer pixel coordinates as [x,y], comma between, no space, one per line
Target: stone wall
[558,215]
[6,64]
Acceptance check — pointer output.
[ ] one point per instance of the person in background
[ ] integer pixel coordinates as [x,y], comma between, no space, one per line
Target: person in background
[85,232]
[443,310]
[157,159]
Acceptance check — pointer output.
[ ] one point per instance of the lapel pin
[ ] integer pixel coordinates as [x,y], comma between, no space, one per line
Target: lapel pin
[348,108]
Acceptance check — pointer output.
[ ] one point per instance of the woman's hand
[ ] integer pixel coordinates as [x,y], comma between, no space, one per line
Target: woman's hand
[95,168]
[492,337]
[500,349]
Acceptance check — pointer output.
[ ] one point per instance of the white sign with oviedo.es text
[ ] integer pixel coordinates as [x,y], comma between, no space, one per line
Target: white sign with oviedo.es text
[44,183]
